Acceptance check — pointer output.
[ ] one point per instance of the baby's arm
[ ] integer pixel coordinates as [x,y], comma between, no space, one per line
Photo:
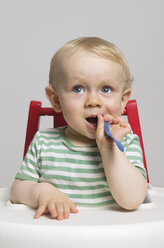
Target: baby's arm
[44,197]
[128,186]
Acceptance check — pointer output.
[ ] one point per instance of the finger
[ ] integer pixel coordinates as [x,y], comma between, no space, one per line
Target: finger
[115,122]
[40,211]
[52,209]
[66,210]
[125,124]
[73,208]
[100,126]
[108,117]
[59,210]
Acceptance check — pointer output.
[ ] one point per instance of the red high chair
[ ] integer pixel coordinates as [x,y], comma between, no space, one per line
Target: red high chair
[36,110]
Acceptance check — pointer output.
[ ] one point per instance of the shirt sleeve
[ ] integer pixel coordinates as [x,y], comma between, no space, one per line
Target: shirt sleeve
[133,152]
[30,166]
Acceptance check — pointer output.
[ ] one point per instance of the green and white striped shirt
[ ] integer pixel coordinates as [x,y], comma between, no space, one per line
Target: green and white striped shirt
[76,171]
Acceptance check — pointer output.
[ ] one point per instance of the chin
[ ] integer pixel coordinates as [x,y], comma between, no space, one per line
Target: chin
[91,136]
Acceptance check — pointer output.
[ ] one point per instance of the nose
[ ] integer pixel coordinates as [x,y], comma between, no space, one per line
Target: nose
[93,100]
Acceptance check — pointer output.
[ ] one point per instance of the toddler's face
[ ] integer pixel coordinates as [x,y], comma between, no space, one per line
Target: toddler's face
[89,85]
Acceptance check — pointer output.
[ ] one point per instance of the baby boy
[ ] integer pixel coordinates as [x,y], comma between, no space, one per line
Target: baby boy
[90,82]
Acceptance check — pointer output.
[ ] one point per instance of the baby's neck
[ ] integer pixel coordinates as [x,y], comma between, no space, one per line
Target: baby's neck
[78,140]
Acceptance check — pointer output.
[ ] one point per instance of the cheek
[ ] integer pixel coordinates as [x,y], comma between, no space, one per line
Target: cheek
[70,110]
[114,109]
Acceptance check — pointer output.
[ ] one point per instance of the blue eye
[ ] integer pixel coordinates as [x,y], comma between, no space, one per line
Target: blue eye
[78,89]
[106,89]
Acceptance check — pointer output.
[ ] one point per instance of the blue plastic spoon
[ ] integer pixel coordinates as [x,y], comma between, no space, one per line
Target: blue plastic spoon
[118,143]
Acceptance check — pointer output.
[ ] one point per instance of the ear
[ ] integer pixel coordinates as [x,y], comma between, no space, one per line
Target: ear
[125,97]
[53,98]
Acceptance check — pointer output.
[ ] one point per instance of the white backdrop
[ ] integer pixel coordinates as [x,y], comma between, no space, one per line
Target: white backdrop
[32,30]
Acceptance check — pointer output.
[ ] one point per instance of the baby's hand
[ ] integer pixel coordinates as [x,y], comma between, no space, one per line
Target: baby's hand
[56,203]
[118,128]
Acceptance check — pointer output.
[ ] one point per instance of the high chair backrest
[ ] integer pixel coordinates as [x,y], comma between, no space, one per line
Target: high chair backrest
[36,110]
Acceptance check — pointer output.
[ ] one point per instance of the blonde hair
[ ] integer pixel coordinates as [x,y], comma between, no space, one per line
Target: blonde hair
[94,45]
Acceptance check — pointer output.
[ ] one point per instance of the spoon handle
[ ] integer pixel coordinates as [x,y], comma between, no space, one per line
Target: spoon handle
[118,143]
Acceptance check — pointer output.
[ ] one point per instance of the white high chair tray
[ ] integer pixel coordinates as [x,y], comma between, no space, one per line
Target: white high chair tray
[91,227]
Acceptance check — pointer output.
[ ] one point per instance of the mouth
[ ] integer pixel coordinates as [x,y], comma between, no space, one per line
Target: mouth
[92,122]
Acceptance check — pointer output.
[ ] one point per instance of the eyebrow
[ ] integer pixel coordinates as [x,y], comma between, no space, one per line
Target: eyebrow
[110,82]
